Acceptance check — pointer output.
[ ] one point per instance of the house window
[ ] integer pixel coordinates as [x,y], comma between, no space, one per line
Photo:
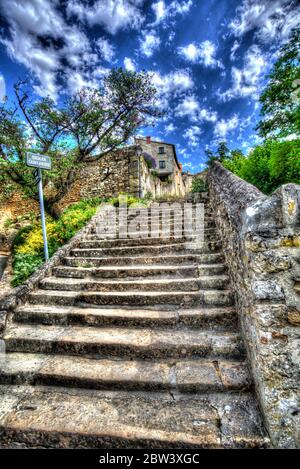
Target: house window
[161,150]
[162,165]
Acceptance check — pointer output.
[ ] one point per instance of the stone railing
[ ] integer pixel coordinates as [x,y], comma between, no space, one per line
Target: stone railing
[261,241]
[20,294]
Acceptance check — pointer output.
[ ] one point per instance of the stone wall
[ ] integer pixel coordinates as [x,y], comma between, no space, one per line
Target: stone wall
[261,240]
[106,177]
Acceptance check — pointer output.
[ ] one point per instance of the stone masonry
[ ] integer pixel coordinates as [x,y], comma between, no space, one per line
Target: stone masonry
[261,244]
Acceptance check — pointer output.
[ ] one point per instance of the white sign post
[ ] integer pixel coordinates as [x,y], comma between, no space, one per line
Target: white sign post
[40,162]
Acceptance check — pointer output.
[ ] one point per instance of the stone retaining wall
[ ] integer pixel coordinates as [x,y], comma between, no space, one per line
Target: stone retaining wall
[261,240]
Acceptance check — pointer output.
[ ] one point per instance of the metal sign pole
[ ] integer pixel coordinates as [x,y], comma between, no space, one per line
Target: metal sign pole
[43,218]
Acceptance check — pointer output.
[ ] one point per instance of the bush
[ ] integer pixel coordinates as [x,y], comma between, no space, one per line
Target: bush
[28,246]
[198,185]
[25,265]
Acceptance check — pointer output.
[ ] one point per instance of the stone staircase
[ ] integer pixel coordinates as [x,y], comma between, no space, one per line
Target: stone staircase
[132,343]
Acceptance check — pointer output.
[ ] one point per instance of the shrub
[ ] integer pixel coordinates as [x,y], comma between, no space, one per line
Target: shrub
[25,265]
[198,185]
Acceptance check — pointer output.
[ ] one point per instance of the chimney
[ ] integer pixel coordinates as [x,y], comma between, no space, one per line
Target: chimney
[148,139]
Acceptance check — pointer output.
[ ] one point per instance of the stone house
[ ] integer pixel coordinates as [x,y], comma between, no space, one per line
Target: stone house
[147,167]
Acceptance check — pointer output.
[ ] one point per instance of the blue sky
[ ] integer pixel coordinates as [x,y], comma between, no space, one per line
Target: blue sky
[209,58]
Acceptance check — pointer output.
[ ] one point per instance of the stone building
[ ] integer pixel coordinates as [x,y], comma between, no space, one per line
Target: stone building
[147,167]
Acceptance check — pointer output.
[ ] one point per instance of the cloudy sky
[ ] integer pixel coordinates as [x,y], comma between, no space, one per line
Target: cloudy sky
[209,58]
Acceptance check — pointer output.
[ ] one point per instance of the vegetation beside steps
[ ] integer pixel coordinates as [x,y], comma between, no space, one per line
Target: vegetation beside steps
[27,251]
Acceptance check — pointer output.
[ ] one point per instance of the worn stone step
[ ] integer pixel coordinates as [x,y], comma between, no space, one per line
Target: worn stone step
[199,375]
[208,246]
[75,418]
[177,259]
[213,282]
[149,242]
[145,241]
[132,298]
[140,271]
[210,318]
[124,231]
[155,271]
[122,342]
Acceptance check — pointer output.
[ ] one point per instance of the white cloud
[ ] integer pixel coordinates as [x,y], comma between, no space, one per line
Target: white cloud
[172,83]
[149,42]
[163,11]
[76,81]
[223,127]
[272,19]
[106,50]
[2,88]
[245,81]
[170,128]
[190,107]
[112,15]
[192,135]
[233,50]
[40,39]
[160,11]
[129,64]
[204,53]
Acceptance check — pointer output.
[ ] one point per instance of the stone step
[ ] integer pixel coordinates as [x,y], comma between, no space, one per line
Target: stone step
[155,271]
[210,318]
[140,271]
[146,228]
[145,241]
[78,418]
[207,247]
[149,242]
[132,298]
[199,375]
[122,342]
[213,282]
[177,259]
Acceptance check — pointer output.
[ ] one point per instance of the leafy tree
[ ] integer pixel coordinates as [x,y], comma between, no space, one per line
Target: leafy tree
[82,129]
[268,165]
[281,97]
[221,154]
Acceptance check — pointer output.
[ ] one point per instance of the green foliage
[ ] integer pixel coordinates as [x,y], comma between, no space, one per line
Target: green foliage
[269,165]
[28,244]
[198,185]
[25,265]
[221,153]
[281,97]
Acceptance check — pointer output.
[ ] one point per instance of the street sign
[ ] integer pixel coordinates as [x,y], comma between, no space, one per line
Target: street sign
[38,161]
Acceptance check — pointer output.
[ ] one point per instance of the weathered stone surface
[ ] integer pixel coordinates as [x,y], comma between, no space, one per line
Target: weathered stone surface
[42,418]
[74,371]
[267,290]
[261,240]
[121,341]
